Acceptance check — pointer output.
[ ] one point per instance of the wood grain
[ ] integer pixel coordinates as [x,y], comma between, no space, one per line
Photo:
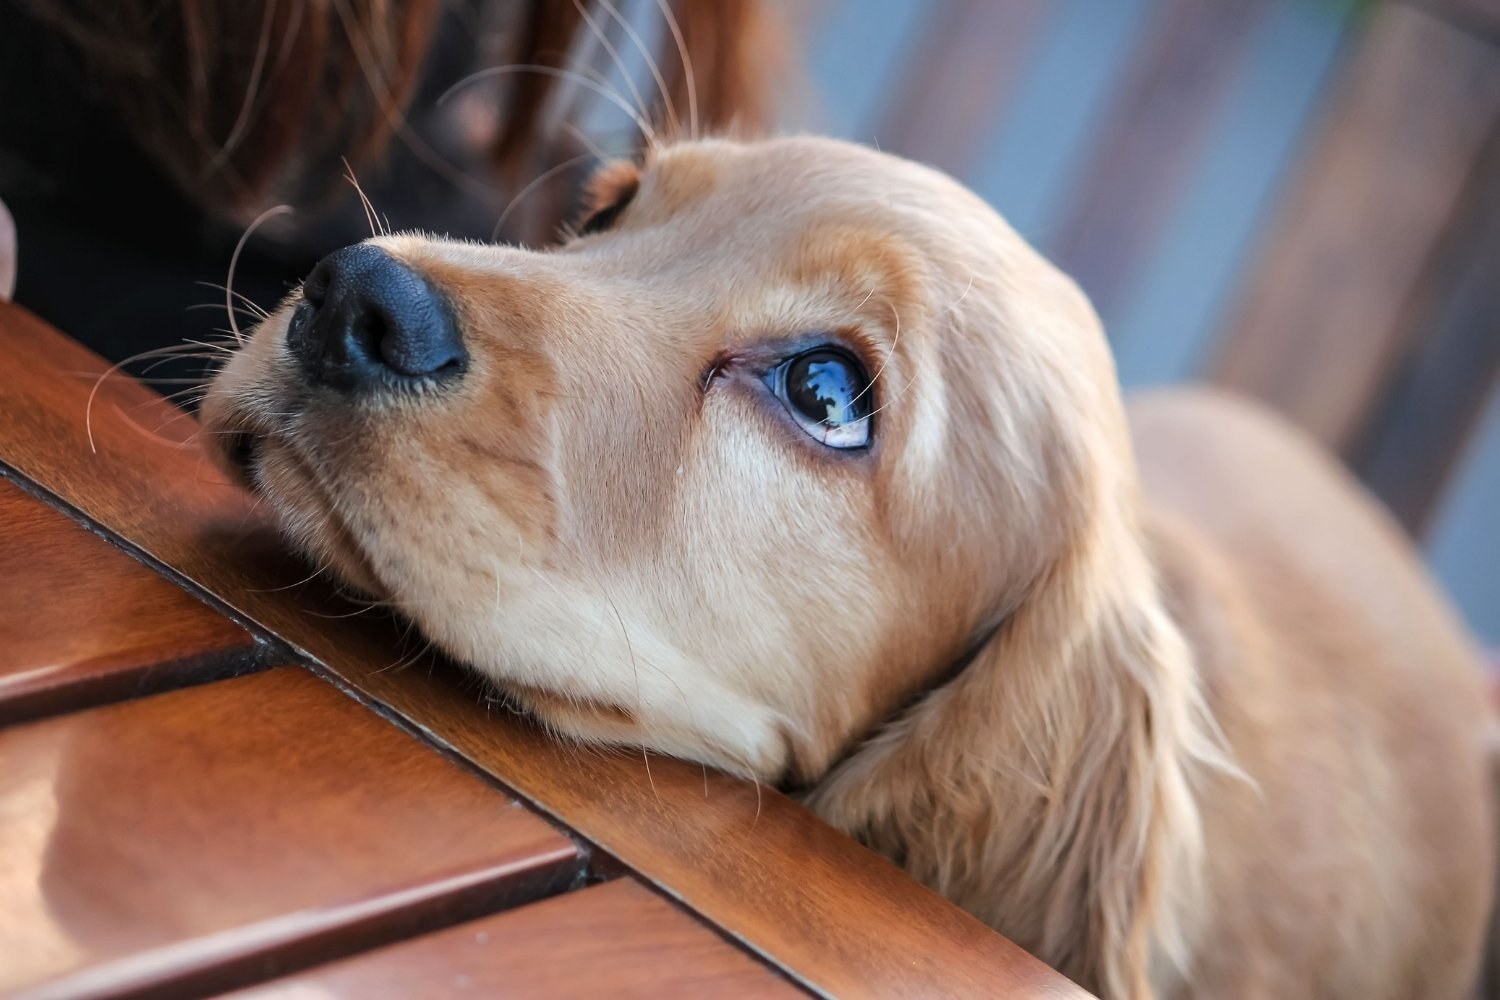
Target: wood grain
[833,915]
[82,623]
[202,838]
[619,940]
[1331,308]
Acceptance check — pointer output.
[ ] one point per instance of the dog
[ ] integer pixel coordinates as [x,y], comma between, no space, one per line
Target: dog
[796,461]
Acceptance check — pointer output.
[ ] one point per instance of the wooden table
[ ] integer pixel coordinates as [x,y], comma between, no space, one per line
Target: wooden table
[214,777]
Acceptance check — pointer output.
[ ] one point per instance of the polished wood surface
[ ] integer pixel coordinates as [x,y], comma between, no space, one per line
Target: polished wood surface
[128,631]
[766,872]
[206,837]
[608,940]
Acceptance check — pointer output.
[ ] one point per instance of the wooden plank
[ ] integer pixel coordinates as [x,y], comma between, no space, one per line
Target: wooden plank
[1162,112]
[955,83]
[207,837]
[1326,313]
[764,870]
[1409,449]
[619,940]
[82,623]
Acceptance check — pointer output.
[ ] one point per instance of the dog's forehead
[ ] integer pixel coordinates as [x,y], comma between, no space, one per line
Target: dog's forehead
[794,179]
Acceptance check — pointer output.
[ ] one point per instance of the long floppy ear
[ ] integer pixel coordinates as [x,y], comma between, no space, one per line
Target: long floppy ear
[1049,788]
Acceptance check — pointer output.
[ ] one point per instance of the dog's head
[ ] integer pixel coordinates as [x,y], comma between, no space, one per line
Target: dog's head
[766,449]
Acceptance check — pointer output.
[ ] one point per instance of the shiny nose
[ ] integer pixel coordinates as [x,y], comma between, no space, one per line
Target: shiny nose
[367,320]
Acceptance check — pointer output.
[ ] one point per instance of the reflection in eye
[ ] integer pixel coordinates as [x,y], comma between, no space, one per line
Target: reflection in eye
[827,391]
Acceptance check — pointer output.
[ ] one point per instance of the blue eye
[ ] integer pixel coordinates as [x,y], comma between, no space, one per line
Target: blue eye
[828,392]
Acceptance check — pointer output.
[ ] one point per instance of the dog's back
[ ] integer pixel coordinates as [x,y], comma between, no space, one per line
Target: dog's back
[1311,614]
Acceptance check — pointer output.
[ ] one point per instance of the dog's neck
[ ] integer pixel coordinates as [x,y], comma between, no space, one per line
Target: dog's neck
[1049,787]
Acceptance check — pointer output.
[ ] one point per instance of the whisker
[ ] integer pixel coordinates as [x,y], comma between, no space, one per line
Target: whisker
[397,119]
[686,61]
[184,356]
[154,436]
[320,569]
[962,295]
[423,648]
[248,313]
[88,406]
[200,386]
[146,376]
[661,84]
[221,348]
[242,120]
[347,614]
[614,55]
[635,670]
[234,260]
[585,141]
[893,399]
[561,74]
[535,183]
[363,198]
[177,415]
[896,340]
[249,303]
[895,343]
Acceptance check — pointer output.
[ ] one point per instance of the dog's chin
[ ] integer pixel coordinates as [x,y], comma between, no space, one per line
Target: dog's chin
[307,518]
[327,546]
[582,719]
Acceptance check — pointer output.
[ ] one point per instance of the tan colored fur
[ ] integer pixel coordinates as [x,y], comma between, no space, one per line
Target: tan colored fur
[1221,737]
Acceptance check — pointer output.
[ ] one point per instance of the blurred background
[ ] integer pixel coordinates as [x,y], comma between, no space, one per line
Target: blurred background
[1296,198]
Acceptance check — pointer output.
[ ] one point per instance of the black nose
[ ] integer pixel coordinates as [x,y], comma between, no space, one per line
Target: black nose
[367,320]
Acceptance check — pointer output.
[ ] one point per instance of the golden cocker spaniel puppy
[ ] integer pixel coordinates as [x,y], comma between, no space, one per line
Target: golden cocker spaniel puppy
[797,461]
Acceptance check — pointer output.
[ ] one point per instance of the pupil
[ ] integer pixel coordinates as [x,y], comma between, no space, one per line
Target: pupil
[823,386]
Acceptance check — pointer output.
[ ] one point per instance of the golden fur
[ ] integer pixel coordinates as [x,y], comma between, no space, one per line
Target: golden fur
[1214,733]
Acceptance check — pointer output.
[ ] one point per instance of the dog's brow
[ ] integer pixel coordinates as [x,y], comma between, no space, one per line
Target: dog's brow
[681,180]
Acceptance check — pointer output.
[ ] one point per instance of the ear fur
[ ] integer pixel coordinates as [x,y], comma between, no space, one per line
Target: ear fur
[1049,789]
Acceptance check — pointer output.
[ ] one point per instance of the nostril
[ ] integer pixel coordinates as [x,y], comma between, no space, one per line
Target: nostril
[378,340]
[414,345]
[299,326]
[315,286]
[368,320]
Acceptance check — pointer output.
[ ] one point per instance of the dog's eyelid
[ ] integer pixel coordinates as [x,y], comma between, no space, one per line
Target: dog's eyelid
[609,192]
[605,218]
[863,347]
